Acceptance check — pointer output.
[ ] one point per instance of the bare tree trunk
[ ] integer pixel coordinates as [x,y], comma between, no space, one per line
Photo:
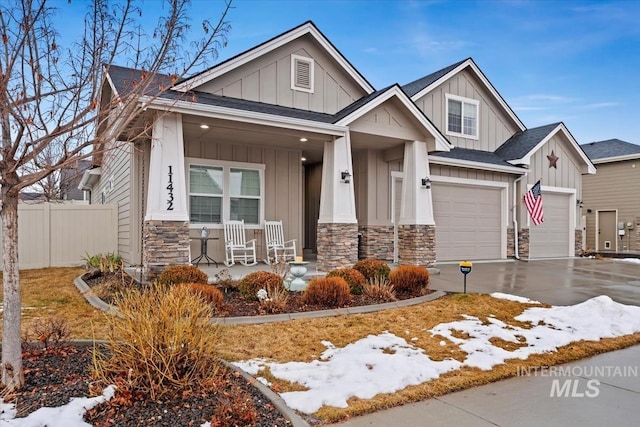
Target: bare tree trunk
[12,375]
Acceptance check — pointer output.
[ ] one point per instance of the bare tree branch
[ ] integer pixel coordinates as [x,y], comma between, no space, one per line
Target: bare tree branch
[52,111]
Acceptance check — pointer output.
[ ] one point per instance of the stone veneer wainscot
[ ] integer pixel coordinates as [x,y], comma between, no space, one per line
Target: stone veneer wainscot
[417,245]
[165,243]
[337,246]
[376,241]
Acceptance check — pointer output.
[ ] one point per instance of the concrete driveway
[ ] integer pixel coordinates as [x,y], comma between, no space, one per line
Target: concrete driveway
[557,281]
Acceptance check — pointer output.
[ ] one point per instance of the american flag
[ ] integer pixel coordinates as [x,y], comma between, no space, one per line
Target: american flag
[533,202]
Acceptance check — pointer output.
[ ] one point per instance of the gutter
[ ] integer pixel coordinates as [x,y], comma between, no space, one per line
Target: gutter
[515,216]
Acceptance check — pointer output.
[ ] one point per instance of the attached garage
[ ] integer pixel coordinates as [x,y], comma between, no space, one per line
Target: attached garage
[553,238]
[469,221]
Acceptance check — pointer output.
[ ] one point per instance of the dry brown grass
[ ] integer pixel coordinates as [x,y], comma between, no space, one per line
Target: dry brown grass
[50,292]
[300,340]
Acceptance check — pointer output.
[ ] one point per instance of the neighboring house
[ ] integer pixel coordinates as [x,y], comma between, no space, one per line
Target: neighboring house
[70,178]
[430,171]
[611,198]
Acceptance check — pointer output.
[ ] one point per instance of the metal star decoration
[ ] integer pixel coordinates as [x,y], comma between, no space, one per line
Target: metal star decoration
[553,160]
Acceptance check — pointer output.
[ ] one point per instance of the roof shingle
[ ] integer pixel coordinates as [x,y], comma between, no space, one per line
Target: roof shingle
[521,143]
[610,148]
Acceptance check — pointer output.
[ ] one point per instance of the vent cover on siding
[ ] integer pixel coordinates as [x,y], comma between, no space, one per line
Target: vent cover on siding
[302,73]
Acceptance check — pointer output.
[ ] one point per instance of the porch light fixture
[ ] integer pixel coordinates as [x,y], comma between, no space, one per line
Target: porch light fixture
[303,159]
[303,139]
[426,183]
[345,177]
[580,203]
[204,126]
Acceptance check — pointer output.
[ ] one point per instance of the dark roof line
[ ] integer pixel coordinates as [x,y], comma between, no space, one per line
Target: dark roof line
[610,148]
[521,143]
[269,41]
[417,85]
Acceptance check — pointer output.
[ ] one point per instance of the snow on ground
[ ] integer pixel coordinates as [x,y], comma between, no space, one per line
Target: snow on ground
[69,415]
[516,298]
[631,260]
[386,363]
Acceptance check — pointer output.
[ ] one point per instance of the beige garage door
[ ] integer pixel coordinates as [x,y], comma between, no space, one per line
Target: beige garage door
[468,222]
[551,238]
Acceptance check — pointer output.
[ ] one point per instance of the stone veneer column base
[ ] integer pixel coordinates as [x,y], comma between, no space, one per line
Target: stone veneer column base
[337,246]
[417,245]
[165,243]
[523,243]
[376,241]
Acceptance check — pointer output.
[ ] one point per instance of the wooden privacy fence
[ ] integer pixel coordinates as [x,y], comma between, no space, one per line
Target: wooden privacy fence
[61,234]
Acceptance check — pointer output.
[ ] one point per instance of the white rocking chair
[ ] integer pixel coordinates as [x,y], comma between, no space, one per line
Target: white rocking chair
[276,245]
[236,247]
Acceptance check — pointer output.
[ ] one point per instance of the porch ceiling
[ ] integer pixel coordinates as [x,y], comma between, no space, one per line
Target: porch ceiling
[255,135]
[230,132]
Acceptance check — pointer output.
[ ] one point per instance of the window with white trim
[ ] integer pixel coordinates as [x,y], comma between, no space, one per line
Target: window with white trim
[225,190]
[462,116]
[302,73]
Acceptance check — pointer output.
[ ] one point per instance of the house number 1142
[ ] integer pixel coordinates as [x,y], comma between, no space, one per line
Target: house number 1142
[170,188]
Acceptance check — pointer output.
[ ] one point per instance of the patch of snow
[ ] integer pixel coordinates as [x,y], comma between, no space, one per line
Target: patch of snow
[515,298]
[631,260]
[69,415]
[386,363]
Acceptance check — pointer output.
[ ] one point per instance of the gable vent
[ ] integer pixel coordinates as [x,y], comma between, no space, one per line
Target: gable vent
[302,73]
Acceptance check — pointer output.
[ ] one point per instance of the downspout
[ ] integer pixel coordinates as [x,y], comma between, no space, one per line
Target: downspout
[515,216]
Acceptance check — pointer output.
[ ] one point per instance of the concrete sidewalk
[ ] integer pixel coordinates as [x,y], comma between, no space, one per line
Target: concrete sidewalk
[526,400]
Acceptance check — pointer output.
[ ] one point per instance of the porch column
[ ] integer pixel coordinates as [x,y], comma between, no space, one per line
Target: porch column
[166,221]
[416,227]
[337,225]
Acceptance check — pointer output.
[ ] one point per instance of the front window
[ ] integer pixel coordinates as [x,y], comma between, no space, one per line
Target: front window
[462,117]
[225,190]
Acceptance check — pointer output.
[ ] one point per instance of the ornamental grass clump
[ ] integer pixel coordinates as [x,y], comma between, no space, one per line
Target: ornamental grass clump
[379,289]
[162,343]
[327,291]
[250,284]
[177,274]
[353,277]
[273,300]
[371,268]
[410,279]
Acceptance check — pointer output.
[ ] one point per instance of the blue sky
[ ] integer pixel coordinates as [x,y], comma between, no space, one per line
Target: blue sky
[570,61]
[552,60]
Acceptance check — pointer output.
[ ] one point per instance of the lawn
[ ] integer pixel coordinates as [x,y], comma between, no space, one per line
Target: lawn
[50,292]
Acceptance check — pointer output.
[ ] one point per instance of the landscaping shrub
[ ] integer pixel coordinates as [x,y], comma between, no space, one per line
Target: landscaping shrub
[250,284]
[273,300]
[176,274]
[379,289]
[224,281]
[327,291]
[162,343]
[209,293]
[353,277]
[52,332]
[109,262]
[410,279]
[371,268]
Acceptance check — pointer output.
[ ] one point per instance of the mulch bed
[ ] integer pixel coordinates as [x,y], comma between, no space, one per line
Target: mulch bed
[235,305]
[54,376]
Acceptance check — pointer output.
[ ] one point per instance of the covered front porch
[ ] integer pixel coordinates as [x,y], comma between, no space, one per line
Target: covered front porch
[329,183]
